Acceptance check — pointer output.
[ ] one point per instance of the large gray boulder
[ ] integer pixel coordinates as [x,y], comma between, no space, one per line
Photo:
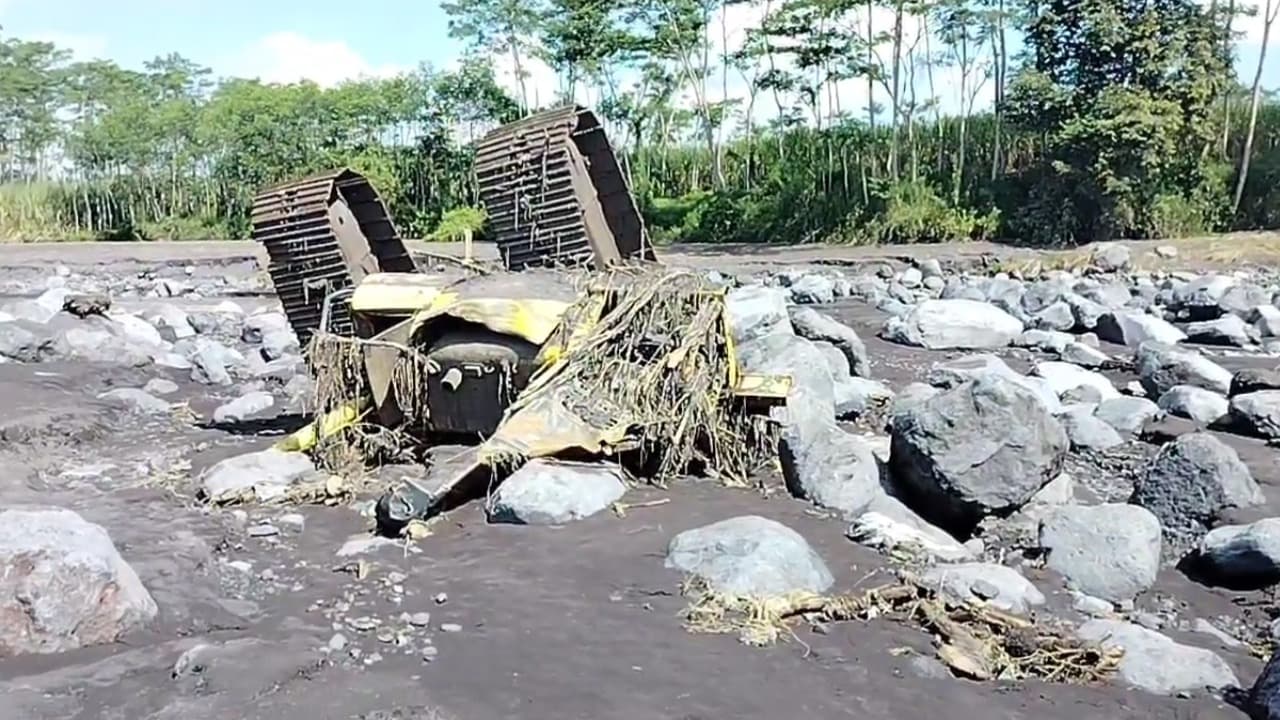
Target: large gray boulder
[981,448]
[954,324]
[813,289]
[21,342]
[1155,663]
[175,319]
[960,370]
[1263,702]
[1127,414]
[1197,404]
[1006,294]
[1162,367]
[279,343]
[1001,587]
[1229,330]
[1257,413]
[1087,431]
[63,584]
[1191,481]
[1243,555]
[137,400]
[1057,316]
[1063,377]
[546,492]
[1111,257]
[1244,299]
[245,407]
[1250,380]
[1089,314]
[1133,328]
[830,467]
[812,398]
[749,556]
[816,326]
[212,362]
[263,475]
[1084,355]
[1200,298]
[1265,320]
[1107,551]
[257,326]
[855,397]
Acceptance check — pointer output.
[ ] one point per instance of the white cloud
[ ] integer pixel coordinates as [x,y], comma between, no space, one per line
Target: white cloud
[287,56]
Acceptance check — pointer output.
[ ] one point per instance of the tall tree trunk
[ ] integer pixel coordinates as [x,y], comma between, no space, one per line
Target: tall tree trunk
[897,89]
[519,71]
[998,48]
[1228,90]
[871,79]
[1269,18]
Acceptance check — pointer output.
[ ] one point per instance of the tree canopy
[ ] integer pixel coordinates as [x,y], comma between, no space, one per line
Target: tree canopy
[811,120]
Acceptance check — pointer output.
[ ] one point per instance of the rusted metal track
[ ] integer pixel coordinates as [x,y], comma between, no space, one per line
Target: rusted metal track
[324,233]
[555,194]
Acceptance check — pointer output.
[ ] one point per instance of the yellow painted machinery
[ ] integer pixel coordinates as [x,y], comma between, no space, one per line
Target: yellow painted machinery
[622,358]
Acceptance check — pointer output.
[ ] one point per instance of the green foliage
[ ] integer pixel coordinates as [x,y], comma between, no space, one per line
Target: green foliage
[913,212]
[1122,120]
[1124,95]
[458,223]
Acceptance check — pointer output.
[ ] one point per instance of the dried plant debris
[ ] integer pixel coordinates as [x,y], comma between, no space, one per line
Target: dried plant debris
[334,490]
[659,359]
[973,640]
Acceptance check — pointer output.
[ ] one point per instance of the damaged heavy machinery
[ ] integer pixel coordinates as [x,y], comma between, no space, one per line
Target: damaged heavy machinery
[579,346]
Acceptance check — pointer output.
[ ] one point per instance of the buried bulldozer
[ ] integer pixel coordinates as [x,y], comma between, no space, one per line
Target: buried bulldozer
[581,346]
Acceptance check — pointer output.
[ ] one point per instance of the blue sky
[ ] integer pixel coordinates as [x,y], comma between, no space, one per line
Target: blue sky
[331,40]
[243,37]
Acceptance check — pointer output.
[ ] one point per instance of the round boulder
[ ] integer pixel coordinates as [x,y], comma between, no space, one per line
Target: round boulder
[63,585]
[982,448]
[750,556]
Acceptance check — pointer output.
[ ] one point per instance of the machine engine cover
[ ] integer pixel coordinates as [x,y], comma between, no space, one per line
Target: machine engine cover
[476,374]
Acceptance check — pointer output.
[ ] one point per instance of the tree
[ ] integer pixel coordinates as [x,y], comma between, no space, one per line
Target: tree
[1123,95]
[1255,99]
[508,26]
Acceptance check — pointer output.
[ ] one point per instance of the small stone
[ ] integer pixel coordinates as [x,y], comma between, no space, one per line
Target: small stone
[1091,606]
[386,635]
[268,575]
[395,577]
[363,624]
[241,565]
[263,530]
[929,667]
[441,598]
[451,628]
[420,619]
[293,522]
[429,653]
[160,386]
[338,642]
[984,589]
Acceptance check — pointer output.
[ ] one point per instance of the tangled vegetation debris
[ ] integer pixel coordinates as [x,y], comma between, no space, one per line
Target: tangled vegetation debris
[974,640]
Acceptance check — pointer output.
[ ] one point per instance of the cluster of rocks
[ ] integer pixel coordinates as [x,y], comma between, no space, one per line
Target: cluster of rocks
[981,448]
[254,356]
[970,476]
